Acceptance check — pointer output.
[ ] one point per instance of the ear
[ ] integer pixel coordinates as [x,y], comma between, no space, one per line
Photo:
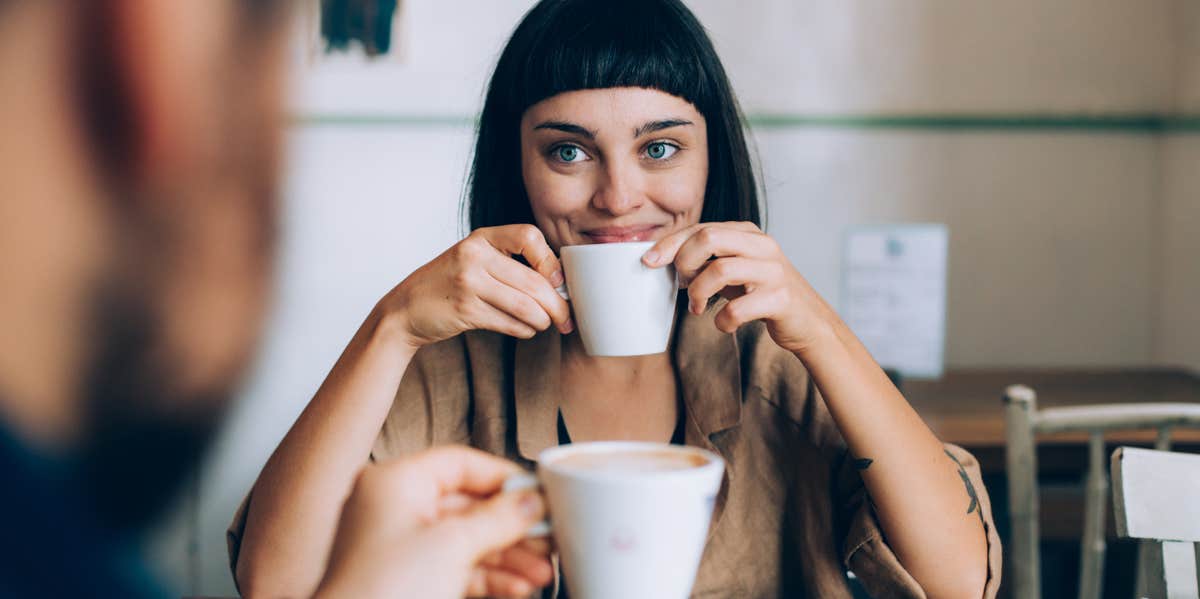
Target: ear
[168,55]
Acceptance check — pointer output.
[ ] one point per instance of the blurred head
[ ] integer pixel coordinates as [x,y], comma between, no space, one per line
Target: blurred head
[610,121]
[138,228]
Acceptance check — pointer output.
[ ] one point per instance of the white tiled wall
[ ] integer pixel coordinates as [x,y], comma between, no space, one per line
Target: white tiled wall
[1067,248]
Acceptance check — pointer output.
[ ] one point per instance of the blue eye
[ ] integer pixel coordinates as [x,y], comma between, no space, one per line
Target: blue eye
[661,150]
[569,153]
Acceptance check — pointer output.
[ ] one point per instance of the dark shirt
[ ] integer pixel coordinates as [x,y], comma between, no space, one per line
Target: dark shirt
[564,436]
[52,545]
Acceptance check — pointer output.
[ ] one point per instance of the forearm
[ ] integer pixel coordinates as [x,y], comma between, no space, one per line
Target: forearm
[297,500]
[927,510]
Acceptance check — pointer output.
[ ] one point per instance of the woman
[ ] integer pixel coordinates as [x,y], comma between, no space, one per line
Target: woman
[609,122]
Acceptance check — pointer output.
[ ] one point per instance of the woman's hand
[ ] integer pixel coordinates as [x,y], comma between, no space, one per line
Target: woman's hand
[478,284]
[746,266]
[436,525]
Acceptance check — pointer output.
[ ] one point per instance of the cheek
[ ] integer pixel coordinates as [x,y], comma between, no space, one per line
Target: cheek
[553,196]
[682,194]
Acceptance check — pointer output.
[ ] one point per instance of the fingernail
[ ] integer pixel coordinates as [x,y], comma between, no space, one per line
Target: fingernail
[651,257]
[531,505]
[556,279]
[692,307]
[568,326]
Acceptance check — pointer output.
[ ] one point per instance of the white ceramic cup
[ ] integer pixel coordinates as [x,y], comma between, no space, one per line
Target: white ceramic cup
[625,531]
[622,307]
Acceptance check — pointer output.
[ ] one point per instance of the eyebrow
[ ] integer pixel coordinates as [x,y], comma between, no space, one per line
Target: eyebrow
[566,127]
[653,126]
[650,127]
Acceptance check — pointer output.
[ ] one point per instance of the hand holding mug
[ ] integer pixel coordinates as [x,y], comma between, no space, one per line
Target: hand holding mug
[478,284]
[746,266]
[436,525]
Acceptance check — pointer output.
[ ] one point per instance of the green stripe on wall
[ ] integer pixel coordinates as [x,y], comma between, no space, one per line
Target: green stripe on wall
[1135,123]
[1183,123]
[1132,123]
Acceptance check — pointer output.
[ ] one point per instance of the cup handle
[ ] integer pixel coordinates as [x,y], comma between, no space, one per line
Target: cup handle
[525,481]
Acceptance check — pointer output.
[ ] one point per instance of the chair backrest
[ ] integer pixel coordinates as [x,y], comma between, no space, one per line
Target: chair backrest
[1156,496]
[1023,422]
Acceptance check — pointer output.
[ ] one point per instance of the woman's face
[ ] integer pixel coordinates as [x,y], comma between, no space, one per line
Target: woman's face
[617,164]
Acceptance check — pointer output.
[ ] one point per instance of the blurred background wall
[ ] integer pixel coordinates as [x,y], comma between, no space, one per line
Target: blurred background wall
[1179,314]
[1052,138]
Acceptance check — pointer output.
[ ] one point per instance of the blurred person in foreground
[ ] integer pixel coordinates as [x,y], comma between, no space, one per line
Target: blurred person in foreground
[137,203]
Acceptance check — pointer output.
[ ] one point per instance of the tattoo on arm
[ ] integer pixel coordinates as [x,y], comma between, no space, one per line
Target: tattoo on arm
[962,472]
[861,464]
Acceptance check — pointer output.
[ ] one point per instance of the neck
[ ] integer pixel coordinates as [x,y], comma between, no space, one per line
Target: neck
[617,370]
[49,241]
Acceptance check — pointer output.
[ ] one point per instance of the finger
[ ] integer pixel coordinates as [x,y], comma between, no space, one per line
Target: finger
[528,242]
[477,583]
[721,274]
[491,561]
[664,251]
[748,308]
[454,503]
[493,524]
[452,469]
[489,317]
[523,279]
[516,304]
[532,566]
[717,242]
[486,582]
[537,545]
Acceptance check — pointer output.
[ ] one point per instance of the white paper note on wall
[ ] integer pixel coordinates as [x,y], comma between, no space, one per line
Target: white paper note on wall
[894,294]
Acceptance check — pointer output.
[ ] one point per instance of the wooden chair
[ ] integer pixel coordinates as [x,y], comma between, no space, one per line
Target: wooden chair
[1156,496]
[1023,422]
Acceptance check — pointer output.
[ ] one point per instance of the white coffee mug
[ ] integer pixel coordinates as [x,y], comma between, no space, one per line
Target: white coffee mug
[622,307]
[624,530]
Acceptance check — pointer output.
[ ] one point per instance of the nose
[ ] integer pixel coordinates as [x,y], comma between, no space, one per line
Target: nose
[620,190]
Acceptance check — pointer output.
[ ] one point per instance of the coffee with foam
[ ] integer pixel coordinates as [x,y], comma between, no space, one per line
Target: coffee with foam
[630,461]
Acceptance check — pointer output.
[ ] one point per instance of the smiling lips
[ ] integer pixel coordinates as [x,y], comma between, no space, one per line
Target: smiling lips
[619,234]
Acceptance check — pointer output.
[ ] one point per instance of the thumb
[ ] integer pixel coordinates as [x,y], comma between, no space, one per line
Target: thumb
[496,523]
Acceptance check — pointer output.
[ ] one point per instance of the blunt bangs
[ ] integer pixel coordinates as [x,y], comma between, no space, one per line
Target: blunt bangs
[621,43]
